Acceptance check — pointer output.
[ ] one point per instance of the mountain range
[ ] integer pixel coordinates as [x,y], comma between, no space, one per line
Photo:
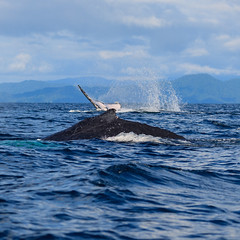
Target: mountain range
[204,88]
[197,88]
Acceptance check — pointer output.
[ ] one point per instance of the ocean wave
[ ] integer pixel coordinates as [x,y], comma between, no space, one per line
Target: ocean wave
[6,136]
[220,142]
[219,124]
[125,187]
[81,111]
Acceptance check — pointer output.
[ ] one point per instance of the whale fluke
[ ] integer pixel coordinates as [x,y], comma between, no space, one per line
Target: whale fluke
[108,125]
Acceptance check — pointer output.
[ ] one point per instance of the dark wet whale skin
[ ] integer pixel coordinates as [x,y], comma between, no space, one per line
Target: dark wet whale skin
[108,125]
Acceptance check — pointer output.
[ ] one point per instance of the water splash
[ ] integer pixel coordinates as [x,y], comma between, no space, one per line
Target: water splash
[144,93]
[142,138]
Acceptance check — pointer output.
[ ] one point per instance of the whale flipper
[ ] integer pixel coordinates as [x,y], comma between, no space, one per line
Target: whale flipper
[99,105]
[108,125]
[90,99]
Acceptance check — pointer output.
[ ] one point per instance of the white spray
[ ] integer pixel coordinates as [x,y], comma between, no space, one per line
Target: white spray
[144,93]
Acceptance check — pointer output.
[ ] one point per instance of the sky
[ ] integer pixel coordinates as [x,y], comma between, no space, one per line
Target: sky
[118,39]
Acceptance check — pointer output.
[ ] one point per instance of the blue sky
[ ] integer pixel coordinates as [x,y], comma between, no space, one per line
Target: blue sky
[51,39]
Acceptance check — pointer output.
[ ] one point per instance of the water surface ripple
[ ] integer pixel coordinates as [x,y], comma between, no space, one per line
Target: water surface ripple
[120,189]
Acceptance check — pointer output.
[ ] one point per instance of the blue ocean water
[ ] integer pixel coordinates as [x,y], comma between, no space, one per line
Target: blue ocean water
[129,187]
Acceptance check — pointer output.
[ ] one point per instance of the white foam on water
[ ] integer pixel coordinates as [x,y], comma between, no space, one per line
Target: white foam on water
[72,111]
[143,138]
[126,110]
[132,137]
[80,111]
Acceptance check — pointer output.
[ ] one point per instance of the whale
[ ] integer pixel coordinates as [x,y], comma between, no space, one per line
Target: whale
[108,124]
[100,106]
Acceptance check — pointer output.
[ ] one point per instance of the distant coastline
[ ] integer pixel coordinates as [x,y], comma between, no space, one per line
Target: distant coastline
[197,88]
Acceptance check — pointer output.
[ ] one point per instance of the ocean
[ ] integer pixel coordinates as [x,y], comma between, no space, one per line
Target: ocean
[125,187]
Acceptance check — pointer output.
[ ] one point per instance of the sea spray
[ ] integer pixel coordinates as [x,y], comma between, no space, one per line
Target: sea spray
[167,97]
[144,93]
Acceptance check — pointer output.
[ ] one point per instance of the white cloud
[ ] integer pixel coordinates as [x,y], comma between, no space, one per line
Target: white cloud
[233,44]
[228,42]
[20,62]
[23,62]
[196,52]
[146,22]
[222,37]
[113,54]
[189,68]
[204,11]
[128,51]
[43,68]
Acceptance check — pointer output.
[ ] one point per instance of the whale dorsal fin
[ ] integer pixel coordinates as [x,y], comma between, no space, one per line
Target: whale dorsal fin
[108,116]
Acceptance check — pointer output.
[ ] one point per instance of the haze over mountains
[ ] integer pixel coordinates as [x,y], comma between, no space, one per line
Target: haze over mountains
[198,88]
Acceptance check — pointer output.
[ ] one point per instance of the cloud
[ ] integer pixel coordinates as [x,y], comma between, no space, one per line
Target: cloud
[23,62]
[68,37]
[20,62]
[113,54]
[228,42]
[128,51]
[196,52]
[233,44]
[189,68]
[43,68]
[147,22]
